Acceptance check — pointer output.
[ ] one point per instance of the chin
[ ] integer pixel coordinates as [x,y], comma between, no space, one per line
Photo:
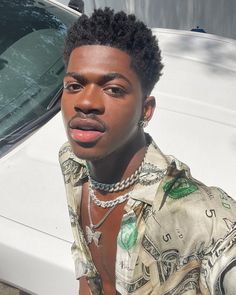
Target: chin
[88,152]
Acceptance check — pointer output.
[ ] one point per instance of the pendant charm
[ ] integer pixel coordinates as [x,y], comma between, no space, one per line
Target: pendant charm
[93,235]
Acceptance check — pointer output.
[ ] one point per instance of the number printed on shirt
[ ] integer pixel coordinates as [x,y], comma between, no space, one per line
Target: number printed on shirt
[210,213]
[167,238]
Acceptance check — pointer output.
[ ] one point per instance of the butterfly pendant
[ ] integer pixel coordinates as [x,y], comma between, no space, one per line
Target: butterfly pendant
[93,235]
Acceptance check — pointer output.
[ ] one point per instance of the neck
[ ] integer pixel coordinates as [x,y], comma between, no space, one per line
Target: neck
[121,163]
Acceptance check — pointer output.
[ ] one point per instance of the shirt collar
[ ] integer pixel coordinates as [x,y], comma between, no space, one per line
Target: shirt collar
[155,158]
[158,161]
[154,161]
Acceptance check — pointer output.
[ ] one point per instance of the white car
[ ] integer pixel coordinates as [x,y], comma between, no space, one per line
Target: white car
[195,120]
[35,235]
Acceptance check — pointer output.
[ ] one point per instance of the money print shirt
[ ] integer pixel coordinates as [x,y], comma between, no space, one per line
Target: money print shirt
[177,236]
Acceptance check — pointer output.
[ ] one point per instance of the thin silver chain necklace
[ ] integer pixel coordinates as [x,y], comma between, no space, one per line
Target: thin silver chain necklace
[91,233]
[141,175]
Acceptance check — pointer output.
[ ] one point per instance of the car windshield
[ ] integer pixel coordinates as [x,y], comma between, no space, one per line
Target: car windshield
[31,67]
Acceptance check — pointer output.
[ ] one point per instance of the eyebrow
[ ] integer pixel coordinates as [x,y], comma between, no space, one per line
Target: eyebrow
[102,80]
[77,77]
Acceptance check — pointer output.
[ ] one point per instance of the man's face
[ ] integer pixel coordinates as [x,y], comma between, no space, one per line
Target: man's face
[102,101]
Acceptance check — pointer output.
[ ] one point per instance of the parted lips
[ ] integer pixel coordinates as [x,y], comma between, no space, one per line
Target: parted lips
[86,124]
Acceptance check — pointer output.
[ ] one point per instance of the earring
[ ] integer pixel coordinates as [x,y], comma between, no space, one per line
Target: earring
[143,123]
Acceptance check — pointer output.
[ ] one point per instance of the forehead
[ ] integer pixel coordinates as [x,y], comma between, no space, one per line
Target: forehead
[99,58]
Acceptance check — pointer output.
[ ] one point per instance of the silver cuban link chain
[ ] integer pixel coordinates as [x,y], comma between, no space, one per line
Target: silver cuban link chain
[118,186]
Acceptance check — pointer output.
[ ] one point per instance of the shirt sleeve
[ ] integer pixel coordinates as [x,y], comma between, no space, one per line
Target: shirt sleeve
[219,264]
[73,171]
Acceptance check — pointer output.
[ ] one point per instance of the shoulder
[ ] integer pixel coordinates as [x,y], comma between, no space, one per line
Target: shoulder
[201,212]
[196,199]
[187,202]
[183,191]
[186,194]
[64,152]
[72,167]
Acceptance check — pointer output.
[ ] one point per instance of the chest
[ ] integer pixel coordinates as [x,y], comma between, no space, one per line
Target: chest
[153,257]
[102,236]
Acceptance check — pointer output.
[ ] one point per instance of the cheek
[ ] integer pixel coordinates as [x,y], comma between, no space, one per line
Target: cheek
[133,111]
[66,111]
[67,108]
[127,116]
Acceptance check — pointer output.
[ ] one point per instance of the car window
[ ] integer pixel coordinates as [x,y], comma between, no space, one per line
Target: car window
[31,67]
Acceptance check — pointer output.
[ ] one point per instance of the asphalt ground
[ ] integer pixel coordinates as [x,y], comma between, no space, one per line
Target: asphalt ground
[8,290]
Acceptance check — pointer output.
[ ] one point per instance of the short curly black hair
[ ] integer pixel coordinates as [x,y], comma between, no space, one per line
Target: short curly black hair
[122,31]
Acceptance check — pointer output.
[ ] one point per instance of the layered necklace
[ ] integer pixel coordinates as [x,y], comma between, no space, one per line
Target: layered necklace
[140,175]
[119,186]
[91,230]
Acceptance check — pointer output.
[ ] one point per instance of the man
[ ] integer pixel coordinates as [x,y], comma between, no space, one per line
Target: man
[141,223]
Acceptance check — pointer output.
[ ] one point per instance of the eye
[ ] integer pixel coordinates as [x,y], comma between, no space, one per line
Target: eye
[115,91]
[72,86]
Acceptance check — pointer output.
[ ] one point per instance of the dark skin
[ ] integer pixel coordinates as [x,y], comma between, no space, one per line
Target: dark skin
[104,256]
[102,104]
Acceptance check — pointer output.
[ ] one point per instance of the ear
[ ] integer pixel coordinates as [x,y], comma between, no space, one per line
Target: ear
[149,106]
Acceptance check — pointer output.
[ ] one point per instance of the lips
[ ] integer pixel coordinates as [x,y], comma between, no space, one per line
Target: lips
[85,130]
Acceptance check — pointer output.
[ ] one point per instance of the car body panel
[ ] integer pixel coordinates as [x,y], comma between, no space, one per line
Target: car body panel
[196,108]
[34,261]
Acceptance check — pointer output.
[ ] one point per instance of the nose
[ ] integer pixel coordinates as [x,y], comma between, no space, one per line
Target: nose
[89,100]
